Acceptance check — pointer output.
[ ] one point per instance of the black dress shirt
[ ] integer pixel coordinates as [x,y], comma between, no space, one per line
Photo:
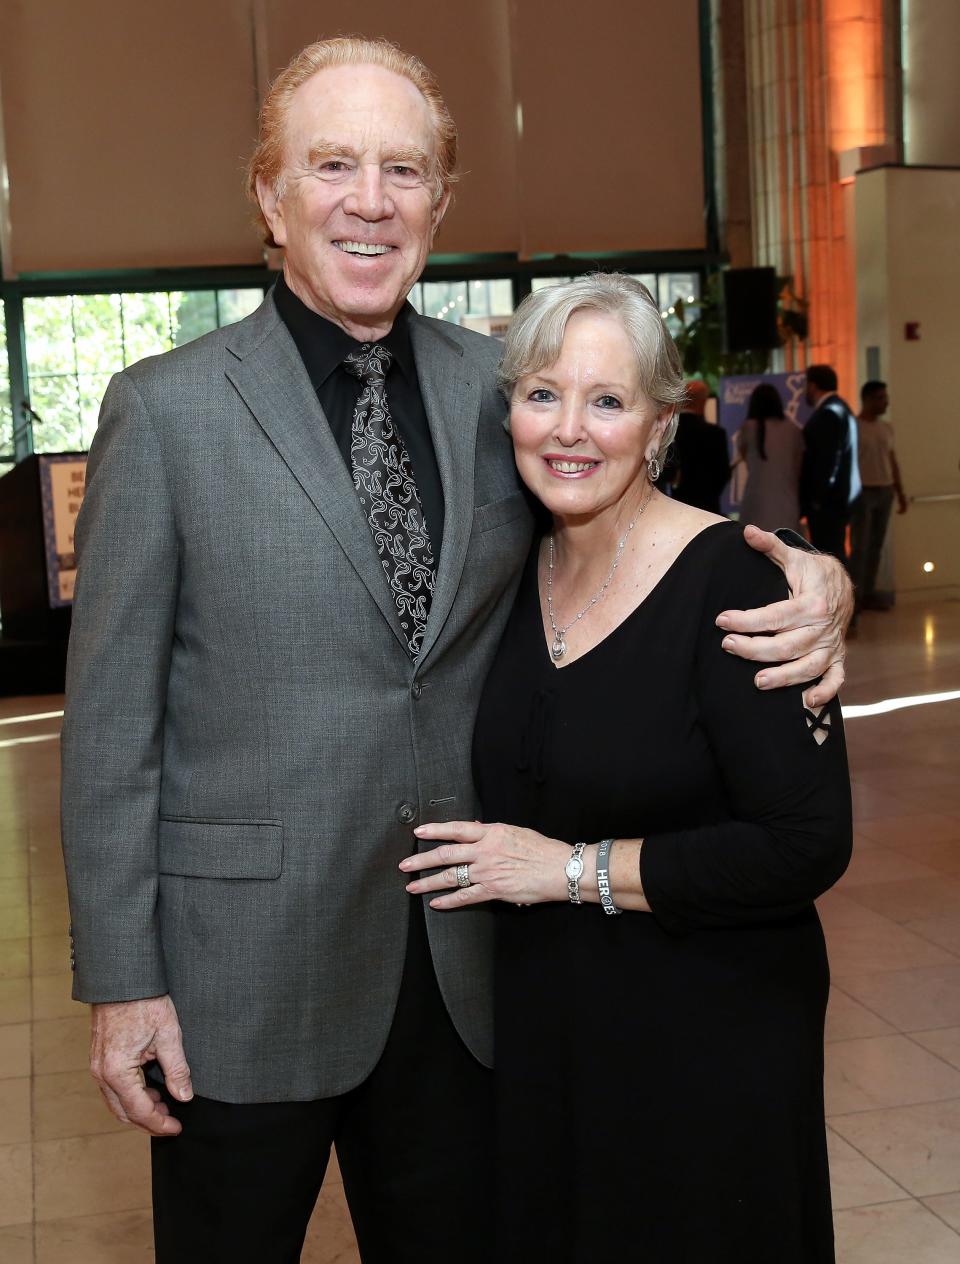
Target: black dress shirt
[323,347]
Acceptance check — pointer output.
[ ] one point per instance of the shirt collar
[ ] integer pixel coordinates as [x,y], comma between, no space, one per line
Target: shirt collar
[324,346]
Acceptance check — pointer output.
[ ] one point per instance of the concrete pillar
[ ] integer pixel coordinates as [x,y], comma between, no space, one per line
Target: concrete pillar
[931,84]
[818,84]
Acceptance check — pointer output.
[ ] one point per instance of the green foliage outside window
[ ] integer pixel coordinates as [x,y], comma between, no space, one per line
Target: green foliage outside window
[76,342]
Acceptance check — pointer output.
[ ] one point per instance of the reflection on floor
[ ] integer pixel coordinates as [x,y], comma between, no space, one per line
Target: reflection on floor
[74,1186]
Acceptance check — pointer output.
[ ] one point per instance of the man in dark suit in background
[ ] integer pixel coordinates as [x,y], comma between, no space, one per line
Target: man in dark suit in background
[829,477]
[699,464]
[298,550]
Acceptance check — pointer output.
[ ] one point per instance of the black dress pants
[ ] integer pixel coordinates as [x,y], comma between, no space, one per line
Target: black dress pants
[414,1142]
[828,531]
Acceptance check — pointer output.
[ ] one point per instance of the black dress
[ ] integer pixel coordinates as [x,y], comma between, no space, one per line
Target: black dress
[661,1075]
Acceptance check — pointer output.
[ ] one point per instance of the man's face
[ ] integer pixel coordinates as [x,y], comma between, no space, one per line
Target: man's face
[879,403]
[356,215]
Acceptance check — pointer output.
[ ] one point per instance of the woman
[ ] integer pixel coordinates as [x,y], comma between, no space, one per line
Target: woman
[773,454]
[659,1069]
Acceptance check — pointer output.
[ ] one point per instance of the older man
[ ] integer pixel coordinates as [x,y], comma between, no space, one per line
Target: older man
[299,546]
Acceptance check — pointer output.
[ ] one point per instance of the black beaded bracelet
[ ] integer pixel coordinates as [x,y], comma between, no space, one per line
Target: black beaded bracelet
[603,876]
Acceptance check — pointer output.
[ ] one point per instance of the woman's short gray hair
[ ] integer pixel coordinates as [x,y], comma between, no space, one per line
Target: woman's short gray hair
[536,332]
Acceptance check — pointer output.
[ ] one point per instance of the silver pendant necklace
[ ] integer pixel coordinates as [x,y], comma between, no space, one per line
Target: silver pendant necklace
[559,646]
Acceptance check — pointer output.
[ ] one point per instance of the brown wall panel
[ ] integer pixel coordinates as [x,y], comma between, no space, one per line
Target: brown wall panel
[127,127]
[128,123]
[466,44]
[611,154]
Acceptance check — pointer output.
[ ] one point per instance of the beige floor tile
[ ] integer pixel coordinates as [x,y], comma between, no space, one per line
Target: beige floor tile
[48,887]
[14,1111]
[912,1000]
[847,1019]
[49,919]
[903,831]
[69,1104]
[14,1050]
[16,1184]
[943,1041]
[51,996]
[13,892]
[860,939]
[15,864]
[854,1180]
[16,1244]
[14,958]
[45,860]
[884,1071]
[121,1238]
[91,1175]
[62,1044]
[871,803]
[894,1233]
[947,1207]
[942,931]
[918,1146]
[944,799]
[15,923]
[910,899]
[942,856]
[14,1001]
[51,954]
[330,1237]
[882,864]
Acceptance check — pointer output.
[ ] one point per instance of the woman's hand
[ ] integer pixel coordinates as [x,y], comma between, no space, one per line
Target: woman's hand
[808,628]
[504,862]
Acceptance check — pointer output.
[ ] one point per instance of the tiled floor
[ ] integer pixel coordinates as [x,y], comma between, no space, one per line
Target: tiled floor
[74,1186]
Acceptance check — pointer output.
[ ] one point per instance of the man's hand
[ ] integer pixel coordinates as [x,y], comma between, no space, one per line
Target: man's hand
[809,627]
[124,1037]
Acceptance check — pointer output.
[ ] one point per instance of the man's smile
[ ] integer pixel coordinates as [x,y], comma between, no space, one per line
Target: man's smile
[363,248]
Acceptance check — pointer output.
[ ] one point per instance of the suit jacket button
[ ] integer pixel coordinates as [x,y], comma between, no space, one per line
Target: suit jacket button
[416,689]
[406,814]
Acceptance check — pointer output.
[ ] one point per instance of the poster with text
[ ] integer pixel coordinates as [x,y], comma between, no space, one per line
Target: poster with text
[62,482]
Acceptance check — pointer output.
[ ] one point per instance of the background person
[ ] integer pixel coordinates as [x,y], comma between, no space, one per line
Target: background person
[698,462]
[880,474]
[659,1073]
[273,674]
[830,478]
[772,448]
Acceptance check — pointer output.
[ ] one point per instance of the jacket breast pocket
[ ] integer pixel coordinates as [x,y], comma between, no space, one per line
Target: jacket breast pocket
[195,848]
[498,512]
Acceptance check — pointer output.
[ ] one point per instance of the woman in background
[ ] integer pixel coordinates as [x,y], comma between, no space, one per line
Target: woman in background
[772,447]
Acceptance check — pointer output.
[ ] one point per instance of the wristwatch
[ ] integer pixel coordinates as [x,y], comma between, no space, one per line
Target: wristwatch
[574,871]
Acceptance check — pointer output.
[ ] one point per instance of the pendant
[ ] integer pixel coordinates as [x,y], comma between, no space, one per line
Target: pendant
[559,647]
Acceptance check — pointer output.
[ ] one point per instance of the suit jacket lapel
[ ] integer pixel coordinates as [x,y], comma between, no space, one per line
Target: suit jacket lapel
[265,367]
[450,388]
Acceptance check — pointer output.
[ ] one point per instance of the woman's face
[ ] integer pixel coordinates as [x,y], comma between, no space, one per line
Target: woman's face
[582,427]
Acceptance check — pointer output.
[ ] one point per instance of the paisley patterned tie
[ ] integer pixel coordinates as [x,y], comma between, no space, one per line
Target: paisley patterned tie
[383,477]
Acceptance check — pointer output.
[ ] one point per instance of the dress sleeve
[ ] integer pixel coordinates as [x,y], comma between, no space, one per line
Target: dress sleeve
[789,833]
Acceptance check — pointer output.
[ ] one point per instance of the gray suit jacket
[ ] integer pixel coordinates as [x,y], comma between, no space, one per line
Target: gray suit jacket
[245,733]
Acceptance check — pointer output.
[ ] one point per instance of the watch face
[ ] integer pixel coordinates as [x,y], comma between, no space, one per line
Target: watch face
[574,868]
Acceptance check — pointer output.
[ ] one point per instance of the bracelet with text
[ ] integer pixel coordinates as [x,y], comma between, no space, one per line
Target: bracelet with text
[603,876]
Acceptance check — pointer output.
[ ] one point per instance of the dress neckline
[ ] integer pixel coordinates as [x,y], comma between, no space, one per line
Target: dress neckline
[628,617]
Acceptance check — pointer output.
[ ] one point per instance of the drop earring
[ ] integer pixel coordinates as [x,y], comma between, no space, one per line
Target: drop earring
[654,469]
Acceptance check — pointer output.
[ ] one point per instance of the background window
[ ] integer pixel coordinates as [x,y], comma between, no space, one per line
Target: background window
[450,300]
[75,342]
